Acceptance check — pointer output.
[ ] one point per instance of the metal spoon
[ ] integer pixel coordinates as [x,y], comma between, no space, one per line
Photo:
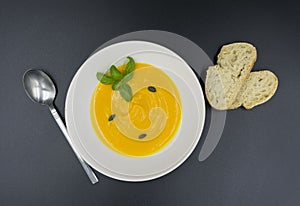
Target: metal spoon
[40,89]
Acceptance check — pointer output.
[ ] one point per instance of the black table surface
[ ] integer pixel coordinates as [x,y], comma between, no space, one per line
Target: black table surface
[257,159]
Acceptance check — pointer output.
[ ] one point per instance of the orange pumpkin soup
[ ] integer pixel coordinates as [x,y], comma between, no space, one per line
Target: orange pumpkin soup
[144,125]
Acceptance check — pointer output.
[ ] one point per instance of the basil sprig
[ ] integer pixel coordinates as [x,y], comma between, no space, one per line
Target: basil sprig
[119,80]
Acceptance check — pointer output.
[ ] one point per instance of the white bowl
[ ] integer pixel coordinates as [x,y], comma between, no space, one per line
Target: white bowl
[104,159]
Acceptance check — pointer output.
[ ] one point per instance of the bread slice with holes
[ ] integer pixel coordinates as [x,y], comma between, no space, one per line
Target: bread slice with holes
[225,80]
[258,88]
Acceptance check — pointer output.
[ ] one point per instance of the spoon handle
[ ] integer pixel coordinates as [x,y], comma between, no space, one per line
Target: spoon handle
[60,123]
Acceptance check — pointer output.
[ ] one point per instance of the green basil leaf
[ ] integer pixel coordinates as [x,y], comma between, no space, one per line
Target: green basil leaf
[126,92]
[127,77]
[115,73]
[104,79]
[130,66]
[116,85]
[99,75]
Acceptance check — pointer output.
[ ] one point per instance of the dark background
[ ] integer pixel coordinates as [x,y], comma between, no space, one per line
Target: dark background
[257,159]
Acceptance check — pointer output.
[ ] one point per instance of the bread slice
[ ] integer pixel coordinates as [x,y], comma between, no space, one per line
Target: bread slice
[225,80]
[215,89]
[259,88]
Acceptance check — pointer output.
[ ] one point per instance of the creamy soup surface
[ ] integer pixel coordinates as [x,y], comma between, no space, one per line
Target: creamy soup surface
[147,123]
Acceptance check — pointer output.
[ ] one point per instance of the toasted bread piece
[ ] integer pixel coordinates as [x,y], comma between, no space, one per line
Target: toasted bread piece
[225,80]
[260,87]
[214,88]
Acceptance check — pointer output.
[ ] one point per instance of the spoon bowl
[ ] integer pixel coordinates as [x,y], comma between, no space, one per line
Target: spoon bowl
[39,87]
